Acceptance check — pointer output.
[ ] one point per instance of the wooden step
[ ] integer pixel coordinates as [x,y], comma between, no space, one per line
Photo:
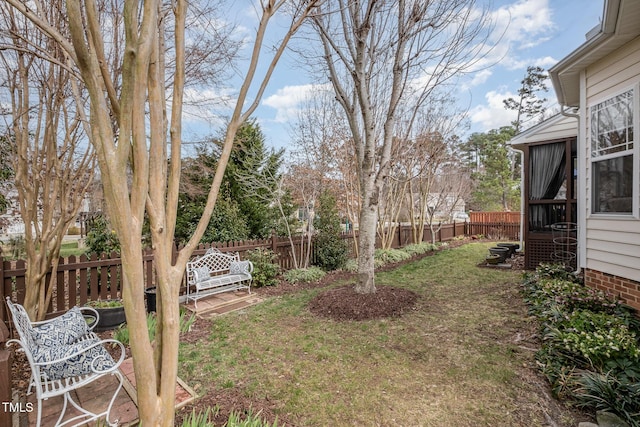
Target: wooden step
[229,308]
[222,303]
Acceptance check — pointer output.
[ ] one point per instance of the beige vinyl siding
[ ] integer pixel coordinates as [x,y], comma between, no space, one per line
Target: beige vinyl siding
[614,73]
[612,243]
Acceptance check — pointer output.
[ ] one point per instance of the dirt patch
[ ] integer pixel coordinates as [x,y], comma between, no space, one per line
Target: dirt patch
[344,303]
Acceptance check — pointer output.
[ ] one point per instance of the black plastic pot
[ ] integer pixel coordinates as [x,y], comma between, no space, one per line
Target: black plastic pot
[150,293]
[503,252]
[511,246]
[110,318]
[493,259]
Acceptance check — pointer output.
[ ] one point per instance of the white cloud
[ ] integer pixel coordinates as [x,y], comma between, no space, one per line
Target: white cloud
[492,115]
[287,100]
[478,79]
[545,62]
[204,110]
[524,24]
[518,27]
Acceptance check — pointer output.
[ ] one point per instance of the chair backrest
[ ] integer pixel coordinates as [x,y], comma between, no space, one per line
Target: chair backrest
[22,324]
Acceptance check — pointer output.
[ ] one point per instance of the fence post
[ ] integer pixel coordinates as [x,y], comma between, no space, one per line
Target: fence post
[5,375]
[274,243]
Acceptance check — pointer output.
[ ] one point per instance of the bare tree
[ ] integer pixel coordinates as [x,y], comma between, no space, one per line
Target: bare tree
[313,170]
[428,162]
[269,186]
[394,191]
[53,163]
[323,147]
[439,195]
[132,125]
[384,57]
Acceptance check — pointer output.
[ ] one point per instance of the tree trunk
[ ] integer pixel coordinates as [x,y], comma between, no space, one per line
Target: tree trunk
[32,294]
[367,242]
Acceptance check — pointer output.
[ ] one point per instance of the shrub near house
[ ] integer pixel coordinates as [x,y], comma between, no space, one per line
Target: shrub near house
[591,347]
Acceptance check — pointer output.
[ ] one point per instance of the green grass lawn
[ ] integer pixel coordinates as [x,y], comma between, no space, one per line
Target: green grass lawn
[66,249]
[71,248]
[460,358]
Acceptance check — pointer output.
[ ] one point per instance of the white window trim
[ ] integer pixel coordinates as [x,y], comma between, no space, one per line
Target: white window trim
[635,152]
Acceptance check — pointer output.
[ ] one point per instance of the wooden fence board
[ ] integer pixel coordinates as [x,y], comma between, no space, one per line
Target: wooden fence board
[494,217]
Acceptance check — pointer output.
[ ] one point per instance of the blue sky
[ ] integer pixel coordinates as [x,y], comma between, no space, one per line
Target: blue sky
[539,32]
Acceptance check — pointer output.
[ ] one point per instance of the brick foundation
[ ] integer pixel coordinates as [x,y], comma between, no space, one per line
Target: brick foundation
[626,289]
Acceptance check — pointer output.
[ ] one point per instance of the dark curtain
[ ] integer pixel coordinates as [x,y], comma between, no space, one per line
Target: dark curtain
[547,164]
[547,170]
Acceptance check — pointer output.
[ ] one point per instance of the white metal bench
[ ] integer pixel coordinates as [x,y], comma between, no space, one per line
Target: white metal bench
[65,354]
[216,272]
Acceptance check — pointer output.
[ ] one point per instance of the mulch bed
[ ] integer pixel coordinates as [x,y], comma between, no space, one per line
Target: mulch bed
[232,400]
[345,304]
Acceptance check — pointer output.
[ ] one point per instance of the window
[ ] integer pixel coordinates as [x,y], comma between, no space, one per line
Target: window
[613,185]
[612,154]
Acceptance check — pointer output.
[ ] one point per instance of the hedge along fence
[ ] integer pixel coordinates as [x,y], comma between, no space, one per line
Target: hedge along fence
[82,279]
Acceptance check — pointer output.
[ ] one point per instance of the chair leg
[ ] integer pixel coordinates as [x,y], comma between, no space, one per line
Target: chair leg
[86,415]
[113,399]
[39,416]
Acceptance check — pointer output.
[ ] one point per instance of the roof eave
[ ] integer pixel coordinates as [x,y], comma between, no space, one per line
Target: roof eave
[565,75]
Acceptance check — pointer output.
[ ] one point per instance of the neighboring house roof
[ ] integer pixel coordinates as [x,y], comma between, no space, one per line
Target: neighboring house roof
[620,25]
[555,127]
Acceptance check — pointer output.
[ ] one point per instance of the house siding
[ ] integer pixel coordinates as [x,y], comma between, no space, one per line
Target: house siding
[614,73]
[612,243]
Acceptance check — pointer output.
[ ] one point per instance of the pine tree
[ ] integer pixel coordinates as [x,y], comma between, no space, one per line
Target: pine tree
[528,105]
[495,185]
[331,249]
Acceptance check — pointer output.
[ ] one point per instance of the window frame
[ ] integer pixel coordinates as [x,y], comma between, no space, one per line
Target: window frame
[594,157]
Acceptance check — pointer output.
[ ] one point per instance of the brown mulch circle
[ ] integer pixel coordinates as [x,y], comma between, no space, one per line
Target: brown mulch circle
[344,303]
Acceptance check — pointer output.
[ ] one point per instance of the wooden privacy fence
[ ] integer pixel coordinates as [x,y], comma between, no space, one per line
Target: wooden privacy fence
[82,279]
[494,217]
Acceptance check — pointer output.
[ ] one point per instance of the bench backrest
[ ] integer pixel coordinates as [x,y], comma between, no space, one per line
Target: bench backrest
[214,260]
